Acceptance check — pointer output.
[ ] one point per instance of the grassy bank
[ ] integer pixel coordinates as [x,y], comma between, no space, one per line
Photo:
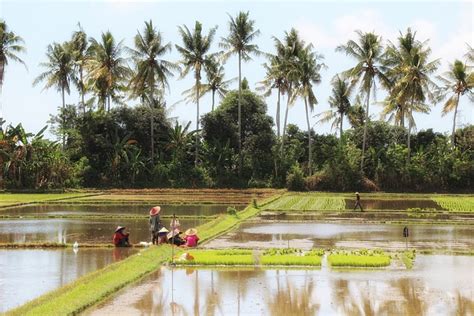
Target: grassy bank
[94,287]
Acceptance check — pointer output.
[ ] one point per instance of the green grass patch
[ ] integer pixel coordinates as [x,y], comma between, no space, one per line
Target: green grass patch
[10,199]
[307,202]
[456,203]
[219,257]
[362,258]
[96,286]
[408,257]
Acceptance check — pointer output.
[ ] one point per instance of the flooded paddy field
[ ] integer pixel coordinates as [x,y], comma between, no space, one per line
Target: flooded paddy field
[28,273]
[116,209]
[82,230]
[437,285]
[308,235]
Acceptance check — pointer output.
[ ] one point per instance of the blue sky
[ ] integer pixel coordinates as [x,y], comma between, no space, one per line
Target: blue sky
[448,25]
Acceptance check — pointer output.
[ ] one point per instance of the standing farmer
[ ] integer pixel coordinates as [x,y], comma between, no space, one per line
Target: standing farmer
[357,204]
[155,223]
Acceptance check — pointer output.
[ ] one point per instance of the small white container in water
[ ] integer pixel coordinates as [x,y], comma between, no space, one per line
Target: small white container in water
[76,245]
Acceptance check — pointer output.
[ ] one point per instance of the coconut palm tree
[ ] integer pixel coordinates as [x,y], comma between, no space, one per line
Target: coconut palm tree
[59,71]
[10,46]
[107,69]
[274,79]
[239,41]
[215,83]
[79,46]
[288,51]
[367,50]
[457,82]
[195,55]
[414,85]
[308,75]
[340,102]
[151,71]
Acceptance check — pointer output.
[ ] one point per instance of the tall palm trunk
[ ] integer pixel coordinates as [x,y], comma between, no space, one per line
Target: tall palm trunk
[240,114]
[213,94]
[278,113]
[64,121]
[340,127]
[454,121]
[364,139]
[82,89]
[197,122]
[285,120]
[402,118]
[2,71]
[152,129]
[409,128]
[309,137]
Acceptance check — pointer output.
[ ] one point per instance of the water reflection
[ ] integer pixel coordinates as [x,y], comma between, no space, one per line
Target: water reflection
[122,209]
[80,230]
[26,274]
[303,292]
[319,234]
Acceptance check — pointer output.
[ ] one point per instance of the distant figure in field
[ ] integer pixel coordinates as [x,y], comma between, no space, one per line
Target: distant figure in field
[120,237]
[357,204]
[155,223]
[191,238]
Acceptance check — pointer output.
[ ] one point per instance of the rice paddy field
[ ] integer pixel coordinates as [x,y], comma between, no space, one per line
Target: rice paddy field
[238,245]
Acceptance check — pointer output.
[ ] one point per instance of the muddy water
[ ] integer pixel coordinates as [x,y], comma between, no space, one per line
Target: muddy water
[26,274]
[437,285]
[81,230]
[84,210]
[381,204]
[316,234]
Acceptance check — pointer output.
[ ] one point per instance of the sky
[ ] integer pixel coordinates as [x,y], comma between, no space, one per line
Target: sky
[448,25]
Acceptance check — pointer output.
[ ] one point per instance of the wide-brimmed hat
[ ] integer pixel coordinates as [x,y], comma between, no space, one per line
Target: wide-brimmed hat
[119,228]
[163,230]
[155,210]
[357,193]
[191,232]
[175,232]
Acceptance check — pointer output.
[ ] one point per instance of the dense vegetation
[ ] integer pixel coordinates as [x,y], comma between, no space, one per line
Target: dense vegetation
[236,145]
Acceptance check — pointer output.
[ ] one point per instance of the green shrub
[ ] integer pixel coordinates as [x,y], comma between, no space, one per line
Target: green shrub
[295,179]
[232,211]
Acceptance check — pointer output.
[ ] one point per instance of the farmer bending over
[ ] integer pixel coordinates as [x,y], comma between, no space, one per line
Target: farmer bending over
[120,237]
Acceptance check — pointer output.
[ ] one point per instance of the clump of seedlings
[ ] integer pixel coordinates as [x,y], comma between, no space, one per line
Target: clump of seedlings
[359,258]
[218,257]
[408,257]
[292,257]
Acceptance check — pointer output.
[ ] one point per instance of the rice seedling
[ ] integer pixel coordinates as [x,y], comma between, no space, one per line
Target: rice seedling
[219,257]
[360,258]
[307,202]
[408,257]
[456,203]
[292,257]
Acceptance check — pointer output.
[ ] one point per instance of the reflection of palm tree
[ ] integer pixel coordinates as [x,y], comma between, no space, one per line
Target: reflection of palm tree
[291,300]
[415,305]
[213,300]
[464,305]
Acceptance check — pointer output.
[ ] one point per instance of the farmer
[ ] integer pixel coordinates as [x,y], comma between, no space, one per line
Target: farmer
[357,204]
[191,238]
[155,223]
[120,237]
[175,238]
[162,236]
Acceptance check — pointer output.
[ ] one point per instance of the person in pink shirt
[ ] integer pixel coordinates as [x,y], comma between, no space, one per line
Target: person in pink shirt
[191,238]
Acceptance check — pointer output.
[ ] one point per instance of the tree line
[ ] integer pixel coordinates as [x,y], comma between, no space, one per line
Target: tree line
[236,144]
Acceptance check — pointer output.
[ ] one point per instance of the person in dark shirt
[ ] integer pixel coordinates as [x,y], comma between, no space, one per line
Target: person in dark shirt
[357,204]
[155,223]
